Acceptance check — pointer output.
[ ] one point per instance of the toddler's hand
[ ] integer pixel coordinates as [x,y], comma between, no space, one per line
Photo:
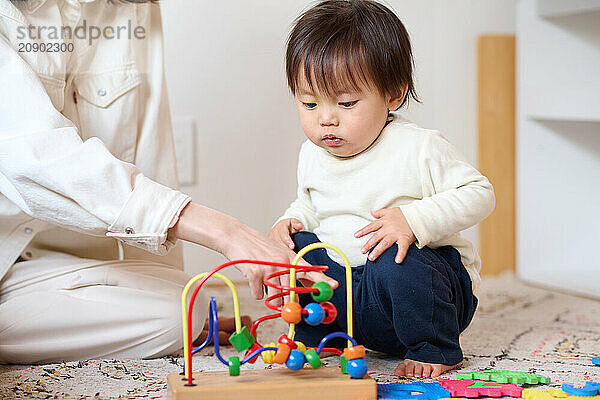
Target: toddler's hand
[283,229]
[390,227]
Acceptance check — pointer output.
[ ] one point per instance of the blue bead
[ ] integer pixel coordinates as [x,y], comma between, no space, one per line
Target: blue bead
[357,368]
[295,360]
[316,314]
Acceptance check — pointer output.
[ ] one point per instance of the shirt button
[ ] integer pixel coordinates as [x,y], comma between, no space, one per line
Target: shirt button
[129,231]
[102,92]
[28,231]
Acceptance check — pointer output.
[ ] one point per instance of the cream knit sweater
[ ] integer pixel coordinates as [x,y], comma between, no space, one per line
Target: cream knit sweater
[409,167]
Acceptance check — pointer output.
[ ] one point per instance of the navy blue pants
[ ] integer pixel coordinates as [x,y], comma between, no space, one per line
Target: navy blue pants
[414,310]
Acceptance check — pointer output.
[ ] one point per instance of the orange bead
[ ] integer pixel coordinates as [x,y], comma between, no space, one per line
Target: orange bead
[291,313]
[281,356]
[352,353]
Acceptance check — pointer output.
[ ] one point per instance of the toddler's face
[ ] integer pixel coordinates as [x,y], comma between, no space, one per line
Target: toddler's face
[346,124]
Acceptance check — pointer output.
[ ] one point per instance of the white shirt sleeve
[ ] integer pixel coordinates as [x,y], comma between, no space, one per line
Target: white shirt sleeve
[52,175]
[459,196]
[302,208]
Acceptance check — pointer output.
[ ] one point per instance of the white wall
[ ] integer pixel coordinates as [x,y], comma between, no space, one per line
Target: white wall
[558,147]
[225,69]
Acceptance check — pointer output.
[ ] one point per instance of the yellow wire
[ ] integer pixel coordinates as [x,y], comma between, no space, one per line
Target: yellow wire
[348,283]
[184,310]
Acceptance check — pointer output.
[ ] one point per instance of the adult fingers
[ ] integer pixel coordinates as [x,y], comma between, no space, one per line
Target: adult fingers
[254,281]
[285,238]
[382,246]
[271,291]
[310,278]
[372,227]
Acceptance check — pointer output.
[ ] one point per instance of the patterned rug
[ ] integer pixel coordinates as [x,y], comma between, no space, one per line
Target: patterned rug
[517,327]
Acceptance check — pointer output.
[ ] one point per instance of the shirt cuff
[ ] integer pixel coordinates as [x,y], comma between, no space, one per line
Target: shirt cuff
[416,223]
[147,215]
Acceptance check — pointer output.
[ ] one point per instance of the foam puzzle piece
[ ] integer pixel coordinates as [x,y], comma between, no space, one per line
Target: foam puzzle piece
[504,376]
[427,391]
[590,389]
[551,394]
[471,388]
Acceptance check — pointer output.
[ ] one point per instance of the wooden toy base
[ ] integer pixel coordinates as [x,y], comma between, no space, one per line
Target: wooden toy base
[281,383]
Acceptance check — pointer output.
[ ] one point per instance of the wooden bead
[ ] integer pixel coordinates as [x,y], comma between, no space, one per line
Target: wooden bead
[291,313]
[295,361]
[301,346]
[352,353]
[316,314]
[268,355]
[357,368]
[325,292]
[287,341]
[312,357]
[283,351]
[234,366]
[330,312]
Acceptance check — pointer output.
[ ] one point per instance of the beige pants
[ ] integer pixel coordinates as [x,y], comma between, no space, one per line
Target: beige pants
[60,307]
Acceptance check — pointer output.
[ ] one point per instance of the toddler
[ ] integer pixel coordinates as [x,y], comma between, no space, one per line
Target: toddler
[391,195]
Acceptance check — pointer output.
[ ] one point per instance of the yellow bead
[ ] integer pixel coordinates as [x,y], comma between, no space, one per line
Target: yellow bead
[301,347]
[268,355]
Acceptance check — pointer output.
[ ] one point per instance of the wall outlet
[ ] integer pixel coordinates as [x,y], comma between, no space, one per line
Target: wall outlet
[184,132]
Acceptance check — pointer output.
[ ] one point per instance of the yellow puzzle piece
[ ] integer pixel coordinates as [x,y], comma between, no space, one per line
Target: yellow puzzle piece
[551,394]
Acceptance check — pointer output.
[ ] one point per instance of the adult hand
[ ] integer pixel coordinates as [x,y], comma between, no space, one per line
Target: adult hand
[235,240]
[390,227]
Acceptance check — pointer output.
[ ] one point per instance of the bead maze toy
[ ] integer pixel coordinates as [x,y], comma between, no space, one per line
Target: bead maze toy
[295,382]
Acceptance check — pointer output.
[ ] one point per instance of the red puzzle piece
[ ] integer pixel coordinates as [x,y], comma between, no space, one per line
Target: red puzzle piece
[471,388]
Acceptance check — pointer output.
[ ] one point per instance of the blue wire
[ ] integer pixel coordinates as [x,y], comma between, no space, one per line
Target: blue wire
[332,336]
[208,337]
[215,322]
[255,353]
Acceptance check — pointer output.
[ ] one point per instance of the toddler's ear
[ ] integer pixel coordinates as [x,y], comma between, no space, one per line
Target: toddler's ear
[394,102]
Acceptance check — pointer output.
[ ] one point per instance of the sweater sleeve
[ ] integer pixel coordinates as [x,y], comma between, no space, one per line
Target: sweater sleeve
[302,208]
[456,195]
[50,173]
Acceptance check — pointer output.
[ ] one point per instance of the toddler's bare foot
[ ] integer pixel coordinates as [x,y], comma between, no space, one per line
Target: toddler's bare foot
[417,369]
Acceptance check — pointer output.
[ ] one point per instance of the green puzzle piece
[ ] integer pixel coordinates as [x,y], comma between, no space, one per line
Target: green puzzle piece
[503,376]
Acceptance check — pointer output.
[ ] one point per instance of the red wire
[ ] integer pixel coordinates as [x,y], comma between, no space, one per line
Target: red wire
[188,362]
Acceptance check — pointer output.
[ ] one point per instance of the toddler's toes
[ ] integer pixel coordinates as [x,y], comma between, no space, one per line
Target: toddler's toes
[418,370]
[400,370]
[427,369]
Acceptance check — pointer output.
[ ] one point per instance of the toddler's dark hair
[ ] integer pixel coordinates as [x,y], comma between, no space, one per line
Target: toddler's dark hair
[339,44]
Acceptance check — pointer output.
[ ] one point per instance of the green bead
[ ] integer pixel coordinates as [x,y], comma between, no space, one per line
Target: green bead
[325,292]
[234,366]
[241,341]
[343,363]
[312,357]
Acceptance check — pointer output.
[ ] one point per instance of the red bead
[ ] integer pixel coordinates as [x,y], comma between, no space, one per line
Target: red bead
[291,313]
[255,346]
[281,356]
[352,353]
[330,312]
[289,342]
